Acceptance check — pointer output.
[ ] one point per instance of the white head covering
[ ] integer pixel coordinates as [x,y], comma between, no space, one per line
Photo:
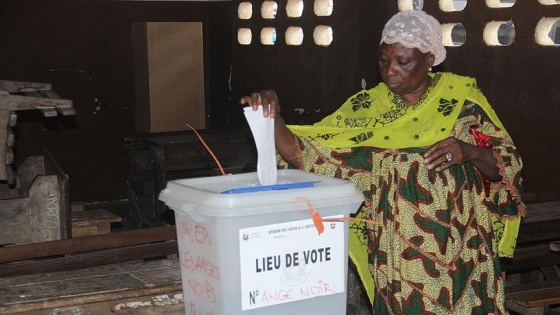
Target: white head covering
[415,29]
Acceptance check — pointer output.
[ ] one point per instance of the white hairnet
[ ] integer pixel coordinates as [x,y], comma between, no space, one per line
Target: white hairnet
[415,29]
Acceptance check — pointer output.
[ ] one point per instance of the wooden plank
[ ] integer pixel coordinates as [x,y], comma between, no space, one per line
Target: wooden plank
[52,168]
[22,86]
[59,289]
[13,102]
[555,246]
[77,300]
[86,260]
[96,242]
[108,307]
[88,230]
[4,114]
[544,297]
[42,209]
[94,216]
[531,257]
[12,219]
[535,294]
[520,309]
[530,287]
[36,218]
[533,298]
[132,265]
[31,167]
[9,156]
[541,223]
[47,218]
[551,273]
[77,206]
[38,291]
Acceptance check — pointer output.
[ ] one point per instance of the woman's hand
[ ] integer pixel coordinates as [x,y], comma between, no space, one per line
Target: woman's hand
[265,98]
[284,139]
[447,152]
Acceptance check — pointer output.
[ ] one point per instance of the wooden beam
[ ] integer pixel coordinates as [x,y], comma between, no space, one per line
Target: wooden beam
[89,243]
[540,224]
[87,260]
[531,257]
[535,295]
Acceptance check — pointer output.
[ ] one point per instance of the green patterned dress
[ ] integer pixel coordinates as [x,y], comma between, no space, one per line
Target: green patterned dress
[430,238]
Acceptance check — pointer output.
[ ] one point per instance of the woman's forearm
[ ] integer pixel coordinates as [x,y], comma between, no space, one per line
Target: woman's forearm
[286,142]
[485,162]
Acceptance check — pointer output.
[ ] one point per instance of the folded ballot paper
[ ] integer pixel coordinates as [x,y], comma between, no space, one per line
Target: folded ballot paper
[263,133]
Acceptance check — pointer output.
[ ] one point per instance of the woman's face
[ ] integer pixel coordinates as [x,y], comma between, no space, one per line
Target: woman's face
[405,70]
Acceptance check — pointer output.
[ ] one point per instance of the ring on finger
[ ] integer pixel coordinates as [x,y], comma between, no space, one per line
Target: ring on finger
[448,156]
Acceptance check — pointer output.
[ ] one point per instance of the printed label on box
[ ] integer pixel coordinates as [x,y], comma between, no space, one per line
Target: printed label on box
[287,262]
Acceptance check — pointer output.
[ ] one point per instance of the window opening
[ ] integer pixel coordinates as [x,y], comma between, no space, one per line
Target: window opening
[244,36]
[499,33]
[454,34]
[547,32]
[323,35]
[405,5]
[245,10]
[269,10]
[294,36]
[268,36]
[549,2]
[500,3]
[323,7]
[452,5]
[294,8]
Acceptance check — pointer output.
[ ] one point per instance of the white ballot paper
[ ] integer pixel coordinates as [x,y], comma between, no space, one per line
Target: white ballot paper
[263,133]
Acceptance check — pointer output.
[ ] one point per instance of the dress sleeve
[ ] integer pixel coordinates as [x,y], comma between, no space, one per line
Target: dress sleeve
[503,197]
[352,164]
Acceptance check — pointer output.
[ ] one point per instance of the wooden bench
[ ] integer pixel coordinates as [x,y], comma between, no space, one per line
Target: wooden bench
[88,251]
[533,273]
[533,298]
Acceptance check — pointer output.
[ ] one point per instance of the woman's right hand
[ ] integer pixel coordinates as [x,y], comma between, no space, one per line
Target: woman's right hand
[284,139]
[265,98]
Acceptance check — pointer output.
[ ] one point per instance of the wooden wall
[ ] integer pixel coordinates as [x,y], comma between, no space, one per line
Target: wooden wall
[83,48]
[521,81]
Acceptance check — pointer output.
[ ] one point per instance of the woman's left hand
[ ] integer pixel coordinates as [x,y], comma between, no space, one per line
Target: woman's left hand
[446,153]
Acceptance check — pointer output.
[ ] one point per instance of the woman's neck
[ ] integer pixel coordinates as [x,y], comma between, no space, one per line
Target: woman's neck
[413,97]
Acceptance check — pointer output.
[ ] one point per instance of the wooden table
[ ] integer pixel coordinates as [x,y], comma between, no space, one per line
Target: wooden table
[172,155]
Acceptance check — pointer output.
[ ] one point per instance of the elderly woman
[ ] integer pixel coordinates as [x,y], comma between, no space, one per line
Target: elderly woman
[440,174]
